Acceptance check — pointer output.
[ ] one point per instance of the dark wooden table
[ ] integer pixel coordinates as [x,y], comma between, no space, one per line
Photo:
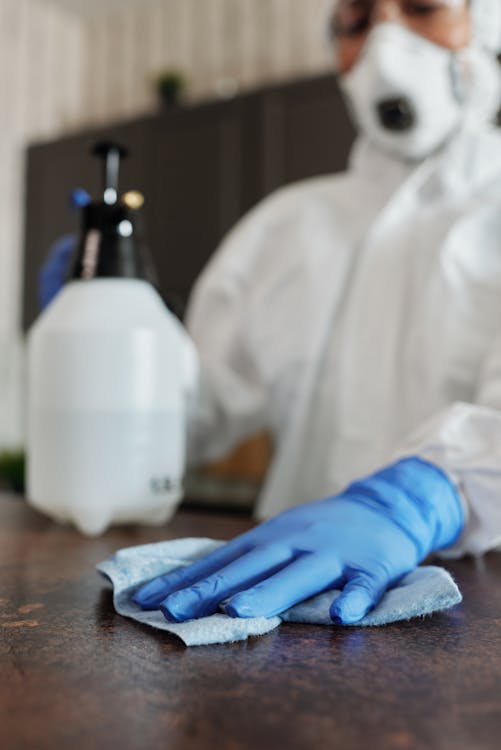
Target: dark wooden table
[74,674]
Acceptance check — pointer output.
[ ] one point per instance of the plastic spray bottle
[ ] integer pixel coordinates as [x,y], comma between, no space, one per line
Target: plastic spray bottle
[109,369]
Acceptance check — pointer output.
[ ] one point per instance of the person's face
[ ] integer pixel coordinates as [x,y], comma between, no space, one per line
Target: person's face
[444,22]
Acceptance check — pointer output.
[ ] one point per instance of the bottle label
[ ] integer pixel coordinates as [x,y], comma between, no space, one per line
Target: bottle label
[160,485]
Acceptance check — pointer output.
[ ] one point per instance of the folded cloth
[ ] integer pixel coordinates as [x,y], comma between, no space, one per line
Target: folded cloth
[427,589]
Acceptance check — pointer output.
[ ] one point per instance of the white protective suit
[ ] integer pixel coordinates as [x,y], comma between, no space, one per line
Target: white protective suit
[358,318]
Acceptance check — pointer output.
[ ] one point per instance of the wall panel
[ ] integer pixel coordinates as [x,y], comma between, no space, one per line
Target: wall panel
[214,42]
[41,79]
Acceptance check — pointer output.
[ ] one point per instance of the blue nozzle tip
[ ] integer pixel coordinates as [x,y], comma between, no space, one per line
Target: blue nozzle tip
[79,198]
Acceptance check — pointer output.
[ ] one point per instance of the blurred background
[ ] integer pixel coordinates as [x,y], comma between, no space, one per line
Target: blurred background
[219,101]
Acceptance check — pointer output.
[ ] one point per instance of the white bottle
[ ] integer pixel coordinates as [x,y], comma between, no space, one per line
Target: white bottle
[107,386]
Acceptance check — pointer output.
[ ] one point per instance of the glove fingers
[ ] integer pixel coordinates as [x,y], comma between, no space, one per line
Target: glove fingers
[150,595]
[204,597]
[361,594]
[303,578]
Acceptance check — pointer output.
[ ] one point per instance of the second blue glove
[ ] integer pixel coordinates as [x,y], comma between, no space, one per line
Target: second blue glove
[55,269]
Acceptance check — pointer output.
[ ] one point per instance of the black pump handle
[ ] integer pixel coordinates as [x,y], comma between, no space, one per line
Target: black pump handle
[111,153]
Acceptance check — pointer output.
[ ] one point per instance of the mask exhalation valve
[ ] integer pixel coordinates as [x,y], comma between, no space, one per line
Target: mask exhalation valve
[396,115]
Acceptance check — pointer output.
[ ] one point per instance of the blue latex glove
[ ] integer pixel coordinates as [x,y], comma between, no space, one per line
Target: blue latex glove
[362,541]
[55,269]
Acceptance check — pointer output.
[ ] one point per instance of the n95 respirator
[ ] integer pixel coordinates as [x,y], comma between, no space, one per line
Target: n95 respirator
[406,93]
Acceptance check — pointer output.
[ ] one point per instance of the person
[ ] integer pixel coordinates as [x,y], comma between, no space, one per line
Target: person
[357,318]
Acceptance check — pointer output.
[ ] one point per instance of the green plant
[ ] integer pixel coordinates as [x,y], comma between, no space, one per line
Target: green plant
[12,468]
[170,85]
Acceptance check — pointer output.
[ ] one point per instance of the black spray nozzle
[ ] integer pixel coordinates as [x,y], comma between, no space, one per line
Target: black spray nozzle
[111,153]
[112,239]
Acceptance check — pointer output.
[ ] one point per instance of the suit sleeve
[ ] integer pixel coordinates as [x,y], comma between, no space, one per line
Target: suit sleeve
[465,441]
[229,401]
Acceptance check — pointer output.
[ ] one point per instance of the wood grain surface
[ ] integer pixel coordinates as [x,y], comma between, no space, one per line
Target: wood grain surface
[74,674]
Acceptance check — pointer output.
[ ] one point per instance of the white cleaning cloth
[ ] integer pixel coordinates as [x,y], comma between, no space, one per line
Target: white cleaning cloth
[425,590]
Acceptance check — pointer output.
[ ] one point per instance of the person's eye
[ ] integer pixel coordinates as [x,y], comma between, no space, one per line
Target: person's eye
[423,9]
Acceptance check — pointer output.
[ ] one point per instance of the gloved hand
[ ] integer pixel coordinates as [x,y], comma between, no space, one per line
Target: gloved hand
[363,540]
[55,269]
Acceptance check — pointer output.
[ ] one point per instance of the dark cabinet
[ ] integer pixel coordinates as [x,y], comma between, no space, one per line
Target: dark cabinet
[304,132]
[200,167]
[196,190]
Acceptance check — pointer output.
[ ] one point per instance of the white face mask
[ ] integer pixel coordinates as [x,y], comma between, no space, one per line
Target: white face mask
[406,93]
